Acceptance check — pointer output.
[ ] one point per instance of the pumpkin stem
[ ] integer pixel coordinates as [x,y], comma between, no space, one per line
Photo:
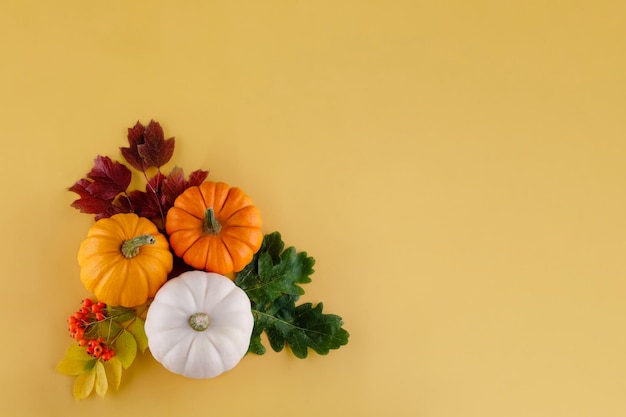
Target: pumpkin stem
[130,248]
[211,225]
[199,321]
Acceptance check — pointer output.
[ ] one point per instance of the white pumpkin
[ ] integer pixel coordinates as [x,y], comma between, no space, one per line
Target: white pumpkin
[199,324]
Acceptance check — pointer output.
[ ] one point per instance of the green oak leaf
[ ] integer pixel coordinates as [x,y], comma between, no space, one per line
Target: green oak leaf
[301,327]
[275,272]
[271,282]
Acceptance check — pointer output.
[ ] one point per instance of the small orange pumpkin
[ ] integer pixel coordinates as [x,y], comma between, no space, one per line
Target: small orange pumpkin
[214,227]
[124,260]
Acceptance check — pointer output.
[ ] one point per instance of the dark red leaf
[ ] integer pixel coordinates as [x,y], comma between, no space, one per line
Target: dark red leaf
[149,203]
[155,183]
[109,178]
[197,177]
[80,187]
[123,203]
[148,146]
[144,204]
[135,134]
[87,203]
[156,151]
[110,211]
[106,180]
[175,183]
[131,154]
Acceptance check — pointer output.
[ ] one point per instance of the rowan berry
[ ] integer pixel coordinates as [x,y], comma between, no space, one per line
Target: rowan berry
[97,350]
[78,333]
[84,322]
[98,307]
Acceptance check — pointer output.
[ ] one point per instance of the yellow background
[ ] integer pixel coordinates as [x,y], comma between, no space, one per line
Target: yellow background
[456,168]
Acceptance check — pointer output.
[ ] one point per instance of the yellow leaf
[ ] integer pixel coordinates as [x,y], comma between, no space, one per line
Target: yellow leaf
[84,384]
[113,368]
[75,361]
[140,334]
[101,379]
[78,353]
[126,348]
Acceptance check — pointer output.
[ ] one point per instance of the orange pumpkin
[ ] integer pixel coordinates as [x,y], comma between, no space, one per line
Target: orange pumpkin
[124,260]
[214,227]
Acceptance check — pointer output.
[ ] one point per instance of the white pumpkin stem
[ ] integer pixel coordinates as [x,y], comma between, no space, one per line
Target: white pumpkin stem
[130,248]
[211,225]
[199,322]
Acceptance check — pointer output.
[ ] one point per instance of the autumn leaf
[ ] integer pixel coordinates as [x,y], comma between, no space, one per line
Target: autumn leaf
[139,333]
[88,203]
[175,183]
[109,178]
[100,187]
[75,361]
[113,369]
[148,146]
[131,154]
[84,383]
[101,382]
[273,282]
[126,348]
[149,203]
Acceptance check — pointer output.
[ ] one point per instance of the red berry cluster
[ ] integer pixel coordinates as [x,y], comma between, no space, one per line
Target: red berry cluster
[82,321]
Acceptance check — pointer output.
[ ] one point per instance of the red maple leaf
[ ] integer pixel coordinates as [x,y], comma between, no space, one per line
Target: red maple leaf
[175,183]
[109,178]
[151,203]
[98,190]
[87,203]
[148,146]
[144,204]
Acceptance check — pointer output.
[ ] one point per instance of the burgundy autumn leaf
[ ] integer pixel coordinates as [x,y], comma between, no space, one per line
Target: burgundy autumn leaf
[87,203]
[144,204]
[156,150]
[197,177]
[148,146]
[156,182]
[131,154]
[149,203]
[97,191]
[175,183]
[111,210]
[109,178]
[122,202]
